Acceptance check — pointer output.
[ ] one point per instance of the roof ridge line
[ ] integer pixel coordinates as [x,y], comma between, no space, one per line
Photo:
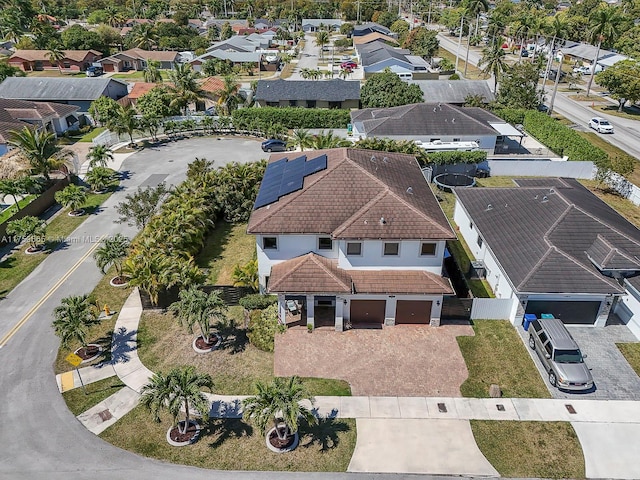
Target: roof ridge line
[301,261]
[351,220]
[608,227]
[537,265]
[315,258]
[588,270]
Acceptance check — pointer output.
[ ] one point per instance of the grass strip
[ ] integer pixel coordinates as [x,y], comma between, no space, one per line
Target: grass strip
[78,402]
[631,352]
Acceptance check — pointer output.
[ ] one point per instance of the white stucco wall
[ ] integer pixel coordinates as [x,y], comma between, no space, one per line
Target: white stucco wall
[628,309]
[409,257]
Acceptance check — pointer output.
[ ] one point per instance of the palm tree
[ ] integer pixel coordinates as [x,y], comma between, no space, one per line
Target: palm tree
[247,275]
[604,25]
[228,94]
[31,229]
[494,61]
[125,121]
[474,8]
[185,86]
[558,27]
[300,138]
[100,178]
[16,187]
[72,196]
[56,55]
[113,16]
[322,38]
[278,404]
[152,72]
[178,389]
[145,36]
[113,251]
[196,307]
[99,156]
[41,150]
[72,319]
[328,140]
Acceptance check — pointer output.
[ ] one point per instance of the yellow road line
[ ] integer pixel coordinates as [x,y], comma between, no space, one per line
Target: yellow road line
[66,381]
[46,296]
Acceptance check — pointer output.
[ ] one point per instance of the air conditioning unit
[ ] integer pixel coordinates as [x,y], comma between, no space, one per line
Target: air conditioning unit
[477,269]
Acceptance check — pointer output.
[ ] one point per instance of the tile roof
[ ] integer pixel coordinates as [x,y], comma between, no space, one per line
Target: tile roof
[312,273]
[424,119]
[366,27]
[371,37]
[335,90]
[212,84]
[33,55]
[140,54]
[548,233]
[15,113]
[453,91]
[361,194]
[140,88]
[52,88]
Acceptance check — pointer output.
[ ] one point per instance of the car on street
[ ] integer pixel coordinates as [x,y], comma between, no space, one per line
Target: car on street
[600,125]
[349,65]
[274,145]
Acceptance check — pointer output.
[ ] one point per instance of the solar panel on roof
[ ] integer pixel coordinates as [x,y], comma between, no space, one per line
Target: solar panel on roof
[315,165]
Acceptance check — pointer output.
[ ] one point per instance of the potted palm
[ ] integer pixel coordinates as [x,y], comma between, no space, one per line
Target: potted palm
[72,319]
[31,229]
[100,178]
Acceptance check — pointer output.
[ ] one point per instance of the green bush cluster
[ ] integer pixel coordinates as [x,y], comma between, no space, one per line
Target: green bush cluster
[257,301]
[448,158]
[263,326]
[290,117]
[511,115]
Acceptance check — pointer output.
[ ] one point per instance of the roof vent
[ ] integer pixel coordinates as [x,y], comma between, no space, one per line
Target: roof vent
[536,197]
[453,120]
[373,158]
[410,190]
[382,221]
[435,109]
[385,159]
[489,207]
[545,199]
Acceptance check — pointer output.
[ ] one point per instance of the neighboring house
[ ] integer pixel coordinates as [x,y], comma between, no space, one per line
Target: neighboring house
[335,93]
[377,56]
[139,89]
[52,117]
[235,58]
[351,236]
[219,22]
[372,27]
[374,37]
[454,91]
[432,122]
[70,91]
[584,52]
[212,87]
[552,246]
[310,25]
[136,59]
[249,43]
[265,23]
[36,60]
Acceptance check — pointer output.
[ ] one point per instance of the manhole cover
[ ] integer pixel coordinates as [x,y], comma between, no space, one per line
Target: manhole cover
[105,415]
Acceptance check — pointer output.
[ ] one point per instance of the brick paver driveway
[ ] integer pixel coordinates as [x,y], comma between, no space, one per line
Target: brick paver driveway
[405,360]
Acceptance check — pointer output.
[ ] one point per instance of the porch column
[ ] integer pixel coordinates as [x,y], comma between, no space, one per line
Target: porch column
[310,320]
[436,311]
[282,309]
[605,309]
[390,312]
[339,317]
[522,305]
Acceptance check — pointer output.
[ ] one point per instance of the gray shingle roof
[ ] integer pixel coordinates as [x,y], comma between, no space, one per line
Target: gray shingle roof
[453,91]
[424,119]
[369,27]
[46,88]
[336,90]
[546,233]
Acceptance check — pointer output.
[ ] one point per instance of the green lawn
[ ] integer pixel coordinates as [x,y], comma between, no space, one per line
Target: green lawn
[78,402]
[631,352]
[235,445]
[621,205]
[496,355]
[530,449]
[9,211]
[19,265]
[88,137]
[163,344]
[138,76]
[227,246]
[630,113]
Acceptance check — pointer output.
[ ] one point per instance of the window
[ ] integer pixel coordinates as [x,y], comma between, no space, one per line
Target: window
[273,104]
[456,139]
[325,243]
[269,243]
[479,241]
[293,103]
[428,249]
[354,248]
[335,104]
[311,104]
[66,65]
[434,140]
[543,337]
[391,248]
[536,325]
[547,347]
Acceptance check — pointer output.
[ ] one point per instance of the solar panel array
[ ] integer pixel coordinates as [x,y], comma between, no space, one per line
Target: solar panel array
[286,176]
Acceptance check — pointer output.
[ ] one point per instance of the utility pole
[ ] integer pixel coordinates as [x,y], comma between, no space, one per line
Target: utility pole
[555,84]
[459,42]
[358,14]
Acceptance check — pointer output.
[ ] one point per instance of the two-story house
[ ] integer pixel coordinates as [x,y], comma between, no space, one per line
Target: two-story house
[351,237]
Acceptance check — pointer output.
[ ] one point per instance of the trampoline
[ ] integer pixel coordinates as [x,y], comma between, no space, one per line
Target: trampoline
[446,181]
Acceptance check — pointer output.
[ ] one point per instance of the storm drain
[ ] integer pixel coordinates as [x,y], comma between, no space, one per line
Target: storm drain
[105,415]
[442,408]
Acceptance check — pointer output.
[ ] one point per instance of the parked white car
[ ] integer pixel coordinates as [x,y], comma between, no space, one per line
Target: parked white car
[601,125]
[587,69]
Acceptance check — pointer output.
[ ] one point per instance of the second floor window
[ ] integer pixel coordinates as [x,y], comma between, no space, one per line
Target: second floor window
[325,243]
[428,249]
[391,248]
[269,243]
[354,248]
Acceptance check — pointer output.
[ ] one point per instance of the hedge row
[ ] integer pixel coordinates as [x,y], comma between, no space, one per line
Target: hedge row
[291,117]
[448,158]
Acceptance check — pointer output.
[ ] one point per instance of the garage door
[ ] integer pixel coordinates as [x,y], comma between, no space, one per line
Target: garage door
[584,313]
[413,311]
[367,311]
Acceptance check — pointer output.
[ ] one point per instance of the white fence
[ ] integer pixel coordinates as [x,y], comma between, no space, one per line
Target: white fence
[624,187]
[107,138]
[493,308]
[541,168]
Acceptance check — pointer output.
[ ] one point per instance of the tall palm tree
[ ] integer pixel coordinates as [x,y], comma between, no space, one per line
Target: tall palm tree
[278,404]
[72,319]
[72,196]
[494,61]
[40,149]
[196,307]
[328,140]
[113,251]
[300,138]
[322,39]
[178,389]
[99,178]
[56,55]
[31,229]
[604,25]
[99,155]
[145,36]
[185,87]
[125,121]
[228,94]
[152,72]
[473,8]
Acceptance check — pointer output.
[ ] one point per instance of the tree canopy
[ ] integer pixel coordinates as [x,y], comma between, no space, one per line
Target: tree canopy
[387,90]
[623,81]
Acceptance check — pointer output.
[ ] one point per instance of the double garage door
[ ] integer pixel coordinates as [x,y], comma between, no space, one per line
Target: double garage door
[570,312]
[407,311]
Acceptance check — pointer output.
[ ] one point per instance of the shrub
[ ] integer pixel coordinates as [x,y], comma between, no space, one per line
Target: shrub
[448,158]
[263,326]
[257,301]
[511,115]
[455,76]
[290,117]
